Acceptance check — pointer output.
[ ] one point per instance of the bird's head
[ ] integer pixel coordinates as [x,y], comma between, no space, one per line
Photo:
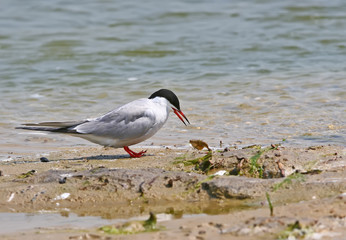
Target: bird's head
[173,99]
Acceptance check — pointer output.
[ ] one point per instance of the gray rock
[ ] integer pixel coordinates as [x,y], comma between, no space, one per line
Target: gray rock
[237,187]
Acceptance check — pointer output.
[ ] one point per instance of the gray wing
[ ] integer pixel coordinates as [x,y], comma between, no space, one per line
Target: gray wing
[132,120]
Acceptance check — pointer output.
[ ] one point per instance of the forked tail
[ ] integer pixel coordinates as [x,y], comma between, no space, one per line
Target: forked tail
[61,127]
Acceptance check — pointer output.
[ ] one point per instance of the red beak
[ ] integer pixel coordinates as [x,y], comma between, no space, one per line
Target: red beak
[180,115]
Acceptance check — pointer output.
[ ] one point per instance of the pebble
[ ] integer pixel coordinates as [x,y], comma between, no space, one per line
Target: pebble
[62,180]
[44,159]
[62,196]
[220,173]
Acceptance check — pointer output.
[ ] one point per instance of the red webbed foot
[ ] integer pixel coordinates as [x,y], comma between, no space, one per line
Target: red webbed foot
[134,154]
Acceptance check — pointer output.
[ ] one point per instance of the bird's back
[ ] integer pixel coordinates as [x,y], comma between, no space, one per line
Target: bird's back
[127,125]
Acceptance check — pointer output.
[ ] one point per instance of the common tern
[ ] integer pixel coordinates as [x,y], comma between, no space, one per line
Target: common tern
[124,126]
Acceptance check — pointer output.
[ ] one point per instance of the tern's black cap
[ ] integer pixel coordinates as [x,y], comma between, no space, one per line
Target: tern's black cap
[169,95]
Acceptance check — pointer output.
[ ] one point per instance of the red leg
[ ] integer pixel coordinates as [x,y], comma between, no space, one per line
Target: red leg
[134,154]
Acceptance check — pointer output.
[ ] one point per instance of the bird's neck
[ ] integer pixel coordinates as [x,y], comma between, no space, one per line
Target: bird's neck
[162,108]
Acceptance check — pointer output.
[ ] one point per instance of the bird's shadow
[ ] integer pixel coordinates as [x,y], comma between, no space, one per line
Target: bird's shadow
[101,157]
[105,157]
[96,157]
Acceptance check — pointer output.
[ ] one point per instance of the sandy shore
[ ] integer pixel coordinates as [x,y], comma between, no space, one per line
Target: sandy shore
[224,190]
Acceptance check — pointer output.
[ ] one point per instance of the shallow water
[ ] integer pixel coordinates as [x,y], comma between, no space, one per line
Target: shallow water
[245,71]
[21,222]
[14,222]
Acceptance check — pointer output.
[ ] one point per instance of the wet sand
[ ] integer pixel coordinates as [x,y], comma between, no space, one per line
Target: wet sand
[307,188]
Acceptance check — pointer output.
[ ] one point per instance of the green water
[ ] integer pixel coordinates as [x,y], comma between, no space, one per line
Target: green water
[246,72]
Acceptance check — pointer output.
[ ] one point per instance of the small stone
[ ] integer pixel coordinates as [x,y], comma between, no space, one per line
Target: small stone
[170,183]
[342,196]
[219,225]
[44,159]
[244,231]
[62,180]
